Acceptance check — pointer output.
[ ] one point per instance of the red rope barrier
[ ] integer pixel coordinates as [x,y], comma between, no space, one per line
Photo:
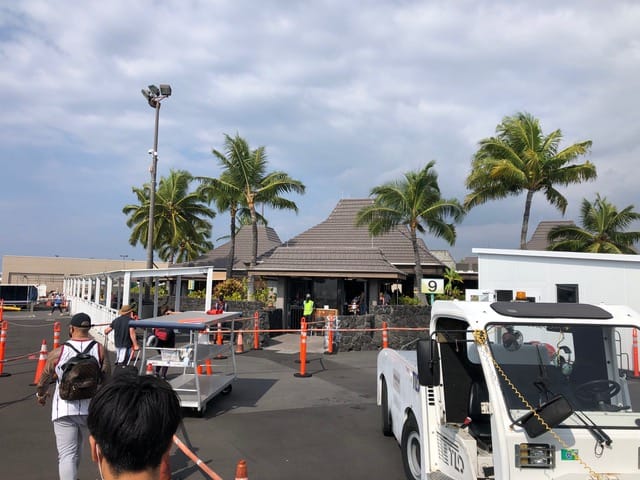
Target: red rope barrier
[19,357]
[195,459]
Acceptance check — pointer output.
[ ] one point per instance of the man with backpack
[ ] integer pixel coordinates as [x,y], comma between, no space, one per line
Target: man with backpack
[79,366]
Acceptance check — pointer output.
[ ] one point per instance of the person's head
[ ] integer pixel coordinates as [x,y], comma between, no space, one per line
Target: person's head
[79,325]
[126,310]
[132,420]
[165,310]
[308,296]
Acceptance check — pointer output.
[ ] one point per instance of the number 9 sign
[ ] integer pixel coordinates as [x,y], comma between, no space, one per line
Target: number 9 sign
[432,285]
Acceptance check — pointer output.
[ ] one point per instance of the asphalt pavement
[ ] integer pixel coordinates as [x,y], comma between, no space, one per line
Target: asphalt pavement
[322,427]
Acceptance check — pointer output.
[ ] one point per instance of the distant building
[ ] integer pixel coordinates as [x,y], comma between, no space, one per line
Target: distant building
[219,257]
[539,240]
[337,261]
[50,271]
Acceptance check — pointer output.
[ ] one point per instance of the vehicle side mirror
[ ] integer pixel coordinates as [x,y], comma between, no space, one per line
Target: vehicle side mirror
[512,340]
[428,363]
[553,412]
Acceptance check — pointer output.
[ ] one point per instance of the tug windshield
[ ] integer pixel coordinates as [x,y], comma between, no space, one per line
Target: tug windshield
[590,365]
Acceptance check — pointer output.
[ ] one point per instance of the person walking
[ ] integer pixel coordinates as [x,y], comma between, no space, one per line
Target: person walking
[56,303]
[165,338]
[132,421]
[124,335]
[70,416]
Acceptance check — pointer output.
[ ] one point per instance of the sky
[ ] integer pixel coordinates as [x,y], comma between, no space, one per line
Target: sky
[344,96]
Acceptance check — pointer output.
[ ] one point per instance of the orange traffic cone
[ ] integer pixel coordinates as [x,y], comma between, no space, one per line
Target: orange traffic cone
[42,360]
[219,335]
[240,343]
[57,328]
[241,471]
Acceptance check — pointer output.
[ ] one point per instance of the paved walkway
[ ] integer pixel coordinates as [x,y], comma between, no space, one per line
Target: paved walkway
[290,343]
[324,426]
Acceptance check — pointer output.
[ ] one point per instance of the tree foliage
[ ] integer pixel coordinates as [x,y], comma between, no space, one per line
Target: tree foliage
[604,230]
[415,203]
[245,180]
[521,159]
[181,226]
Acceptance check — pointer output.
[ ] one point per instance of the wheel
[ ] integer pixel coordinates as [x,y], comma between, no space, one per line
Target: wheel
[227,390]
[411,449]
[598,390]
[386,414]
[197,412]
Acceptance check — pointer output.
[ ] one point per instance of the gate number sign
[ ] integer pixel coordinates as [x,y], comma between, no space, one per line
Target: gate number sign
[432,285]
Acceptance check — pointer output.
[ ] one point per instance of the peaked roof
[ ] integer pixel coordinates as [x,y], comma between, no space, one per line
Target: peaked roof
[339,230]
[218,257]
[328,262]
[337,247]
[445,257]
[539,239]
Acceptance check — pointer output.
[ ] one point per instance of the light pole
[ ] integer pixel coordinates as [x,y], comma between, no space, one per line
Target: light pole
[154,96]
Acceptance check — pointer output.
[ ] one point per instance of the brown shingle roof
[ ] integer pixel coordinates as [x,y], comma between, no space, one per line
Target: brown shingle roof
[339,230]
[327,262]
[337,247]
[218,257]
[539,239]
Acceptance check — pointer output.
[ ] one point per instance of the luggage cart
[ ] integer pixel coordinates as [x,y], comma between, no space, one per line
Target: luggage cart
[194,390]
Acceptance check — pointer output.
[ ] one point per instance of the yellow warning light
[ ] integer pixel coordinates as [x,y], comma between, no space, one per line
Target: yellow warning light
[521,295]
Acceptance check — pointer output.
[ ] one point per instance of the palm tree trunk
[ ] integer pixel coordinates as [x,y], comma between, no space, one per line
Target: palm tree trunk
[525,220]
[254,249]
[232,249]
[418,267]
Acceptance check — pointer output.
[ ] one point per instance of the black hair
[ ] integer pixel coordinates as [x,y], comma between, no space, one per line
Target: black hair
[133,419]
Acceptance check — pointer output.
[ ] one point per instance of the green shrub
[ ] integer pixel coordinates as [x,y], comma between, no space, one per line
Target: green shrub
[197,294]
[404,300]
[231,289]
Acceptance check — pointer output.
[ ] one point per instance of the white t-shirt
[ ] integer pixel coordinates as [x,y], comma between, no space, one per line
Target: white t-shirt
[62,408]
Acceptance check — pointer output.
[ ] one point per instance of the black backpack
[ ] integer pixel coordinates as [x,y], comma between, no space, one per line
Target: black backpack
[81,375]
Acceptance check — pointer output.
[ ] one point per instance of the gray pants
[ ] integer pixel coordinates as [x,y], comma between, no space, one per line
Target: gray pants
[71,434]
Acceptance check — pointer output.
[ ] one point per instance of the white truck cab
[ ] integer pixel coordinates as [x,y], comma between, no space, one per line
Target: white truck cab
[516,390]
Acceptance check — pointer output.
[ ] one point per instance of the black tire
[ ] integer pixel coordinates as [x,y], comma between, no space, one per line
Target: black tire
[411,449]
[387,431]
[199,413]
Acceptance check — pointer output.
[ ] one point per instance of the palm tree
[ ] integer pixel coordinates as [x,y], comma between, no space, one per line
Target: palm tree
[416,203]
[228,200]
[186,249]
[180,218]
[520,158]
[603,230]
[245,177]
[452,277]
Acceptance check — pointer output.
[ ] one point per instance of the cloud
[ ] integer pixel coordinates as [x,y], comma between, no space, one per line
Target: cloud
[344,96]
